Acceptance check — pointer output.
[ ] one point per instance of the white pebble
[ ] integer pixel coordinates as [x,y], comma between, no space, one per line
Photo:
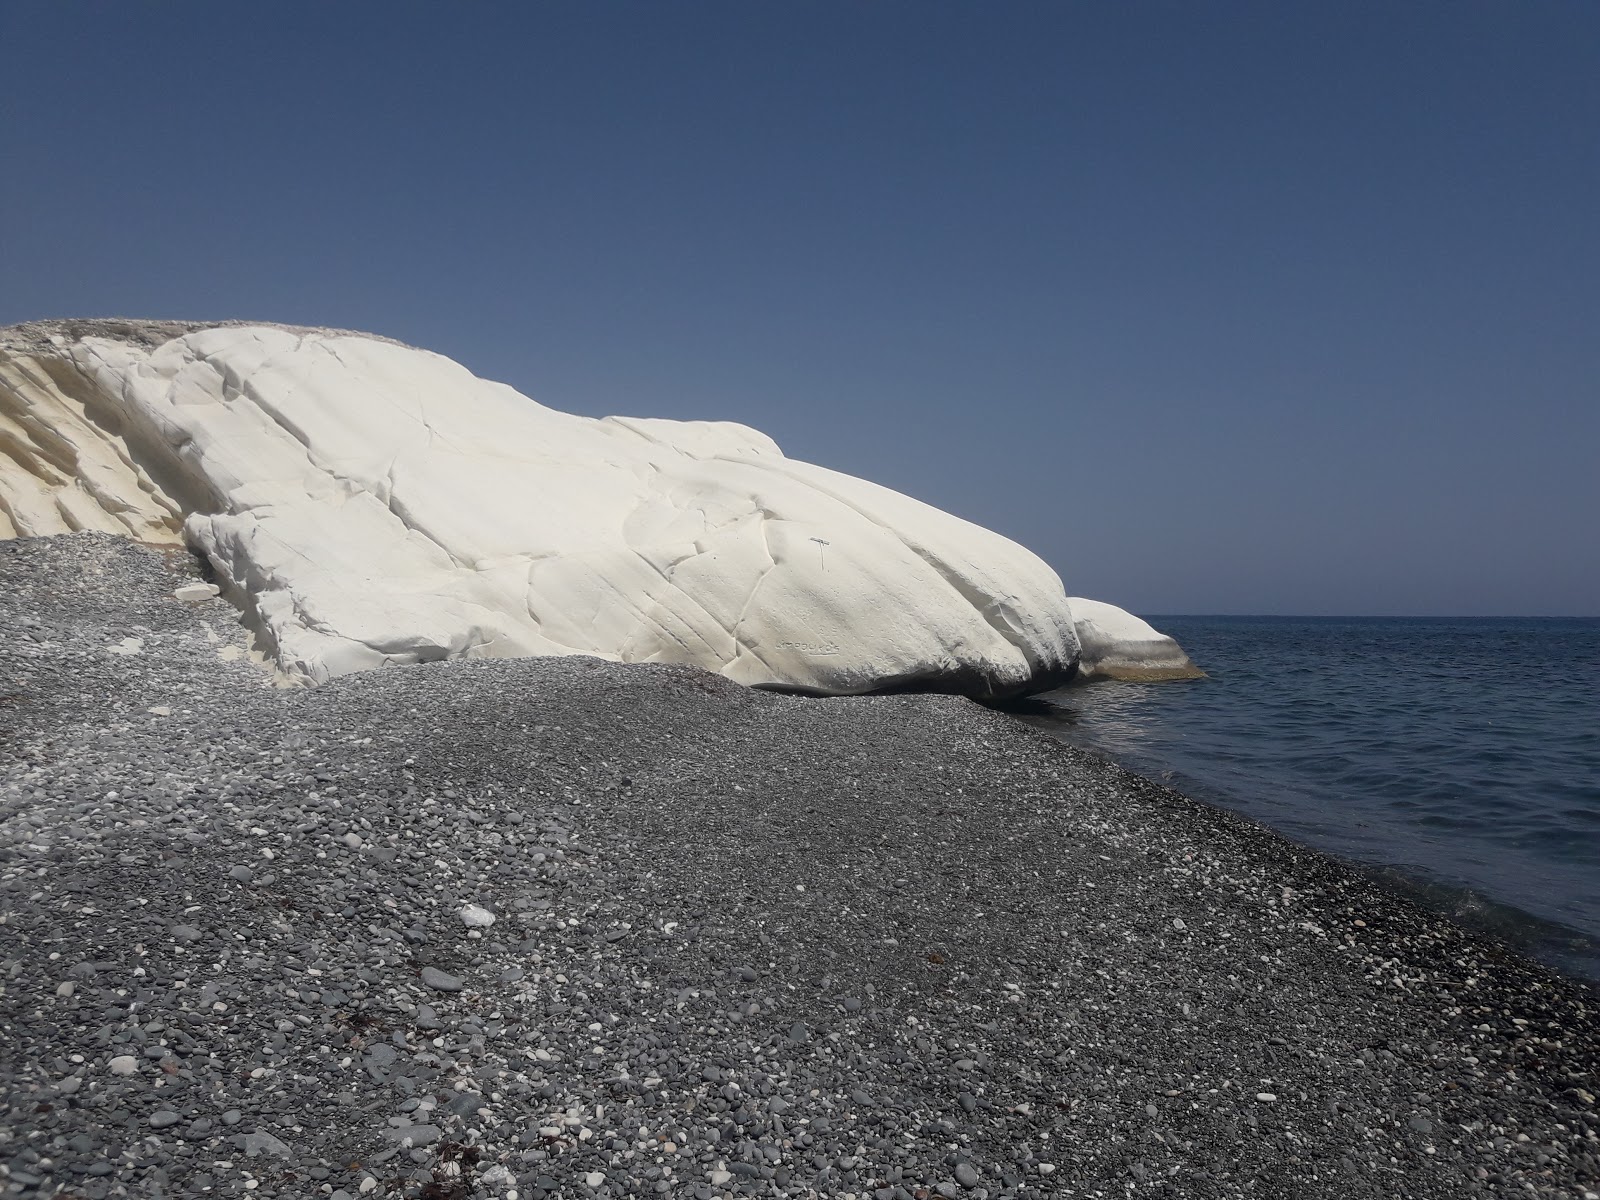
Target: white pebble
[123,1064]
[594,1179]
[474,917]
[1266,1097]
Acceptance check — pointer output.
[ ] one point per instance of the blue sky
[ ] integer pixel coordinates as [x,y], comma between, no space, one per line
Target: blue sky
[1218,307]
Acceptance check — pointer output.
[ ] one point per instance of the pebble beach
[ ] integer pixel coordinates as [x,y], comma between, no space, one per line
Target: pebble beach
[563,927]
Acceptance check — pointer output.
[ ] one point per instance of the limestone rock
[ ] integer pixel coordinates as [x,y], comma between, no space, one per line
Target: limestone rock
[1118,645]
[367,503]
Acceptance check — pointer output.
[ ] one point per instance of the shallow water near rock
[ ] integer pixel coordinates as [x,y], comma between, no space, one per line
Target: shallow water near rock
[1460,757]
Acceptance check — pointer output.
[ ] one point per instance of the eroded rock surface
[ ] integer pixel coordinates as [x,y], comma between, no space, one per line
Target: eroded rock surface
[368,503]
[1118,645]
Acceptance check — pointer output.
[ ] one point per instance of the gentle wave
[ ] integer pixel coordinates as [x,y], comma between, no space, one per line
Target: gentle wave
[1463,754]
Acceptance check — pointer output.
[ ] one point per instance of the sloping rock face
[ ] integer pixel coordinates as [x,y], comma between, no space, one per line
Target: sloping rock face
[368,503]
[1118,645]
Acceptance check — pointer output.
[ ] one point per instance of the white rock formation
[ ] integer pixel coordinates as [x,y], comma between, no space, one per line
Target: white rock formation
[366,503]
[65,464]
[1118,645]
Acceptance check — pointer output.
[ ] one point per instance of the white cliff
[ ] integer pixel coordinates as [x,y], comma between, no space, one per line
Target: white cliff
[367,503]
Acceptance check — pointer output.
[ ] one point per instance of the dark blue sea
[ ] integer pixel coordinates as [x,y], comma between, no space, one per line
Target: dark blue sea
[1459,758]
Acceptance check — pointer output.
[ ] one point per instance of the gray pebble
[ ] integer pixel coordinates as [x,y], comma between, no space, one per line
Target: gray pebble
[266,1143]
[419,1135]
[721,1021]
[439,981]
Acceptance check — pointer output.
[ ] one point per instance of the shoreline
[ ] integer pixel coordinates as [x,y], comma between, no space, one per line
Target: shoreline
[745,943]
[1563,948]
[1533,904]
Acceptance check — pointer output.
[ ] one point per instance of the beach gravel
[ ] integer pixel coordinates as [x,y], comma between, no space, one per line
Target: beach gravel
[742,944]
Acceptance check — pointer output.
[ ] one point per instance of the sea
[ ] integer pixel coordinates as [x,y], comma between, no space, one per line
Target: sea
[1458,759]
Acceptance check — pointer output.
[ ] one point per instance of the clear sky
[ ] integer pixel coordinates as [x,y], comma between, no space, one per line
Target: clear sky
[1219,307]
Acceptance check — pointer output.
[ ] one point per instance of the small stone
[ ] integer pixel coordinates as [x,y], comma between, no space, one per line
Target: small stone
[242,873]
[265,1143]
[66,989]
[966,1175]
[1266,1097]
[195,593]
[465,1104]
[439,981]
[799,1032]
[594,1179]
[418,1135]
[474,917]
[232,1117]
[159,710]
[123,1064]
[162,1118]
[353,840]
